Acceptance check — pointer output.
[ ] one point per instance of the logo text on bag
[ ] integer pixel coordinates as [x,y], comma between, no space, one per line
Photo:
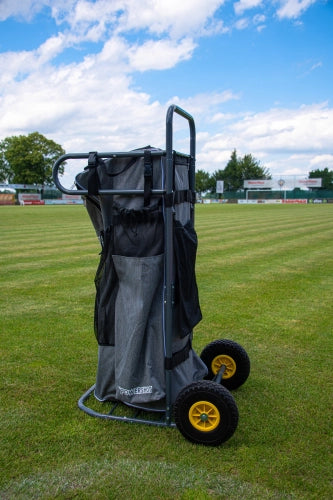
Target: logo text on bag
[148,389]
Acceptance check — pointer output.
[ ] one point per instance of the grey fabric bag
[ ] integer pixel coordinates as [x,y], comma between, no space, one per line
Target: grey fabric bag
[129,323]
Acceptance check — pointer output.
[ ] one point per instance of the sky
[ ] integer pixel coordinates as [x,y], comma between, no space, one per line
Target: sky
[100,75]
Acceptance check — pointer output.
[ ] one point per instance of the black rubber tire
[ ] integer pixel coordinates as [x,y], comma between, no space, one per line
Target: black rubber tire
[215,397]
[235,353]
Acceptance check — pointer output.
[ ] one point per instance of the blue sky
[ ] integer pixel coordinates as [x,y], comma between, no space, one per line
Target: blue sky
[100,75]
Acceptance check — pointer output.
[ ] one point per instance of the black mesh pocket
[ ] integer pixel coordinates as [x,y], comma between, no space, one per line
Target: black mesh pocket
[106,282]
[138,232]
[187,307]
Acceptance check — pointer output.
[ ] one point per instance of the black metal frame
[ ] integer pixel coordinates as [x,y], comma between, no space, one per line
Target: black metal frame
[168,228]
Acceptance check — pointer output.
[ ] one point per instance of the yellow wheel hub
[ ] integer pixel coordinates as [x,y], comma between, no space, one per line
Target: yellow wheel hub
[204,416]
[230,365]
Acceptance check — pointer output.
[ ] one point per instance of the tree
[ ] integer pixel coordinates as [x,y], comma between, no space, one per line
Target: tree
[251,169]
[325,175]
[5,172]
[232,174]
[238,170]
[28,159]
[203,181]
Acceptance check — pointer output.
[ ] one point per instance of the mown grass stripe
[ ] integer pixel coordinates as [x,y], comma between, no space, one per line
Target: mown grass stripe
[265,280]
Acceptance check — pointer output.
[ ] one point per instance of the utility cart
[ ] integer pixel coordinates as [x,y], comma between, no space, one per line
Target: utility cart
[141,204]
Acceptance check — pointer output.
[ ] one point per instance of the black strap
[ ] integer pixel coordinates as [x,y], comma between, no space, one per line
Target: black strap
[134,217]
[185,195]
[178,357]
[148,177]
[180,196]
[93,180]
[129,216]
[108,167]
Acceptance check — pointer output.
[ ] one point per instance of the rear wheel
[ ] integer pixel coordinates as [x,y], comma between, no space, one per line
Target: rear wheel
[206,413]
[232,356]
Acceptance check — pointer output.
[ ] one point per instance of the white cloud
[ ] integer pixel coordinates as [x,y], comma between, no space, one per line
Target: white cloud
[26,9]
[261,27]
[278,137]
[14,65]
[93,104]
[94,99]
[242,23]
[292,9]
[306,67]
[85,106]
[303,129]
[259,19]
[96,20]
[174,17]
[287,9]
[322,161]
[203,104]
[316,65]
[51,48]
[243,5]
[160,54]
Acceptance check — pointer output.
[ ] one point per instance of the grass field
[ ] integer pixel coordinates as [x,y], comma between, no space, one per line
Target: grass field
[265,280]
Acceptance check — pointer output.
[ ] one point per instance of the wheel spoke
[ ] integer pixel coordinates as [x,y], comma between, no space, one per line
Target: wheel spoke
[228,362]
[204,416]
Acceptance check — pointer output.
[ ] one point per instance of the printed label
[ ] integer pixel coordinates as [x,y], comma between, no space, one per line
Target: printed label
[148,389]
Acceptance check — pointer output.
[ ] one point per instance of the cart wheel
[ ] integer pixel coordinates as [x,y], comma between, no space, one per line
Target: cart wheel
[233,356]
[206,413]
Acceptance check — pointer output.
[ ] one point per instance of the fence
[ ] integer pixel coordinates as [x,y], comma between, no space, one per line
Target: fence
[313,196]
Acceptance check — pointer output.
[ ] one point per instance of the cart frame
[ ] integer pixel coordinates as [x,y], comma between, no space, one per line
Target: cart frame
[165,415]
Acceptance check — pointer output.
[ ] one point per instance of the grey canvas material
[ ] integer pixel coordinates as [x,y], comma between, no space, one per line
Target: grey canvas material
[191,370]
[135,369]
[182,210]
[138,335]
[130,285]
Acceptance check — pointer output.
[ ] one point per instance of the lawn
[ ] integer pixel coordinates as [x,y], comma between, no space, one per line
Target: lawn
[265,280]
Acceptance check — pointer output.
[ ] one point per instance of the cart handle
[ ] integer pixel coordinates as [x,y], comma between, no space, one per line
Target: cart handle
[82,156]
[169,159]
[169,146]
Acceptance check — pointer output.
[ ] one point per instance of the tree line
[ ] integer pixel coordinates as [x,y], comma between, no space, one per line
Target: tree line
[28,159]
[239,169]
[236,171]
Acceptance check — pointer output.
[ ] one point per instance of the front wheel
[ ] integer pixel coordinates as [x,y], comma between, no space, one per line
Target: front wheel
[206,413]
[232,356]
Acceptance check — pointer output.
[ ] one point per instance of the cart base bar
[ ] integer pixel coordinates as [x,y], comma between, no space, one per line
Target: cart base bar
[156,417]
